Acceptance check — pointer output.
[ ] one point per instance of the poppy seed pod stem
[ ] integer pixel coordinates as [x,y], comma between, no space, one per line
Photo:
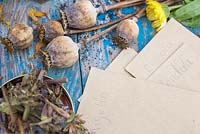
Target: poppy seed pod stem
[105,8]
[76,31]
[86,41]
[171,2]
[82,14]
[138,14]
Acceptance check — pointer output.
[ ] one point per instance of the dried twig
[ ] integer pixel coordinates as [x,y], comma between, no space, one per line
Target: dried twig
[99,26]
[58,81]
[27,107]
[128,3]
[26,112]
[40,76]
[12,115]
[171,2]
[60,111]
[139,14]
[21,127]
[86,41]
[136,3]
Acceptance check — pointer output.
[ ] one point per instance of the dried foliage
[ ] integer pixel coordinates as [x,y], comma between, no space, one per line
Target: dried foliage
[35,105]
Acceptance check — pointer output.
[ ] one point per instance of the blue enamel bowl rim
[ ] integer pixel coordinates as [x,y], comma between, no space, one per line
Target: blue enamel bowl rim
[64,89]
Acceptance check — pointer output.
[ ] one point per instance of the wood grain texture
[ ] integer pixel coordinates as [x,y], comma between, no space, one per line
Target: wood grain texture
[98,53]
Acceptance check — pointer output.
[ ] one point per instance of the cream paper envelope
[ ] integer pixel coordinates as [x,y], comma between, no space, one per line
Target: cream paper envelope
[172,57]
[117,104]
[121,61]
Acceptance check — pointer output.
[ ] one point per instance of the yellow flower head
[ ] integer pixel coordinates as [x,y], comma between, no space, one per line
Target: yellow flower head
[156,13]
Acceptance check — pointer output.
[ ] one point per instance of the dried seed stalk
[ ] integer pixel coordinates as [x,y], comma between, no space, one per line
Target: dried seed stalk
[40,104]
[82,14]
[86,41]
[58,81]
[21,127]
[139,13]
[11,111]
[122,4]
[99,26]
[57,109]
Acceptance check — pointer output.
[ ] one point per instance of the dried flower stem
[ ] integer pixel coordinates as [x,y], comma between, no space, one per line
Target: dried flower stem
[26,112]
[134,4]
[86,41]
[31,113]
[104,8]
[60,111]
[20,124]
[58,81]
[40,76]
[12,115]
[139,14]
[99,26]
[129,3]
[171,2]
[76,31]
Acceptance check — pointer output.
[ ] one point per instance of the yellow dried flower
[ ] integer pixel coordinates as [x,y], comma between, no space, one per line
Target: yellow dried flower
[34,14]
[157,13]
[7,23]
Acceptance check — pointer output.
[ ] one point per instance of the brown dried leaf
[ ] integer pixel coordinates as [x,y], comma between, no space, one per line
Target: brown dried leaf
[38,46]
[1,12]
[40,14]
[2,18]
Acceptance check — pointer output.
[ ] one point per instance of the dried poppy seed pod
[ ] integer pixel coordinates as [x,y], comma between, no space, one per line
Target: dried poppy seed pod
[20,37]
[82,14]
[60,52]
[127,31]
[50,30]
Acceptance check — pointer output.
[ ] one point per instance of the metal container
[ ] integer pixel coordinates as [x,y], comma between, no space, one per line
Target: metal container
[66,99]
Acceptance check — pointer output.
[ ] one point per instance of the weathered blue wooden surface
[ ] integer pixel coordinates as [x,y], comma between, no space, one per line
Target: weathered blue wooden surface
[99,53]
